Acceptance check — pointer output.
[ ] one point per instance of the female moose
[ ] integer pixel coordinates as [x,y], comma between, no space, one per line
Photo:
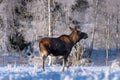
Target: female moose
[60,46]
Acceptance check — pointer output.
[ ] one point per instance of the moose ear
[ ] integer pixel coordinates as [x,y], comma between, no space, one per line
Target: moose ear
[71,28]
[76,27]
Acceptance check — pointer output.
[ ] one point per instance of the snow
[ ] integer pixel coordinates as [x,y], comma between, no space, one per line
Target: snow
[12,68]
[95,71]
[29,72]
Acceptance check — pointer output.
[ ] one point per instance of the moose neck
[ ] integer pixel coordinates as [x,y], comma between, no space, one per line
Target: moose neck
[74,37]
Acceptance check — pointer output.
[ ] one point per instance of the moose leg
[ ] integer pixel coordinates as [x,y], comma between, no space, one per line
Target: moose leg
[43,62]
[64,63]
[50,60]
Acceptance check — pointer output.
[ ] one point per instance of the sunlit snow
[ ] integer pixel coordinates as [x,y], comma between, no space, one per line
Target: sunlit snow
[28,72]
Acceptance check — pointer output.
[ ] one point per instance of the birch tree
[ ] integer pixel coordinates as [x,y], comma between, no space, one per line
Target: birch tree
[107,23]
[107,37]
[95,6]
[49,25]
[49,18]
[117,30]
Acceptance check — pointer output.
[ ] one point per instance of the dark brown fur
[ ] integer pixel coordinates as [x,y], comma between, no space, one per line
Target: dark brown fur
[60,46]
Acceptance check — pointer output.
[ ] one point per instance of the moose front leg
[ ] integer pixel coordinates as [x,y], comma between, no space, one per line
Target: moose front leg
[64,62]
[50,60]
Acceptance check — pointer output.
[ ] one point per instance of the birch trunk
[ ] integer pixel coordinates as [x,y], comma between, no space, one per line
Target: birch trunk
[117,31]
[93,30]
[108,16]
[49,18]
[49,25]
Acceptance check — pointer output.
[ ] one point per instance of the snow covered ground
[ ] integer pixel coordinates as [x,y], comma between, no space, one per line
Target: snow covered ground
[21,70]
[28,72]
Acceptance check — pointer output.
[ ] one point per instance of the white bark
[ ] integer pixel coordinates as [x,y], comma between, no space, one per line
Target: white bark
[117,30]
[108,37]
[49,25]
[49,18]
[108,17]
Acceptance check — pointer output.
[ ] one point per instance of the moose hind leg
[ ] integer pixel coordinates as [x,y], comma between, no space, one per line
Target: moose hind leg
[43,62]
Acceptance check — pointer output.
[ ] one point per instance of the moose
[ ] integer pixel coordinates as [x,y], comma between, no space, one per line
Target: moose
[60,46]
